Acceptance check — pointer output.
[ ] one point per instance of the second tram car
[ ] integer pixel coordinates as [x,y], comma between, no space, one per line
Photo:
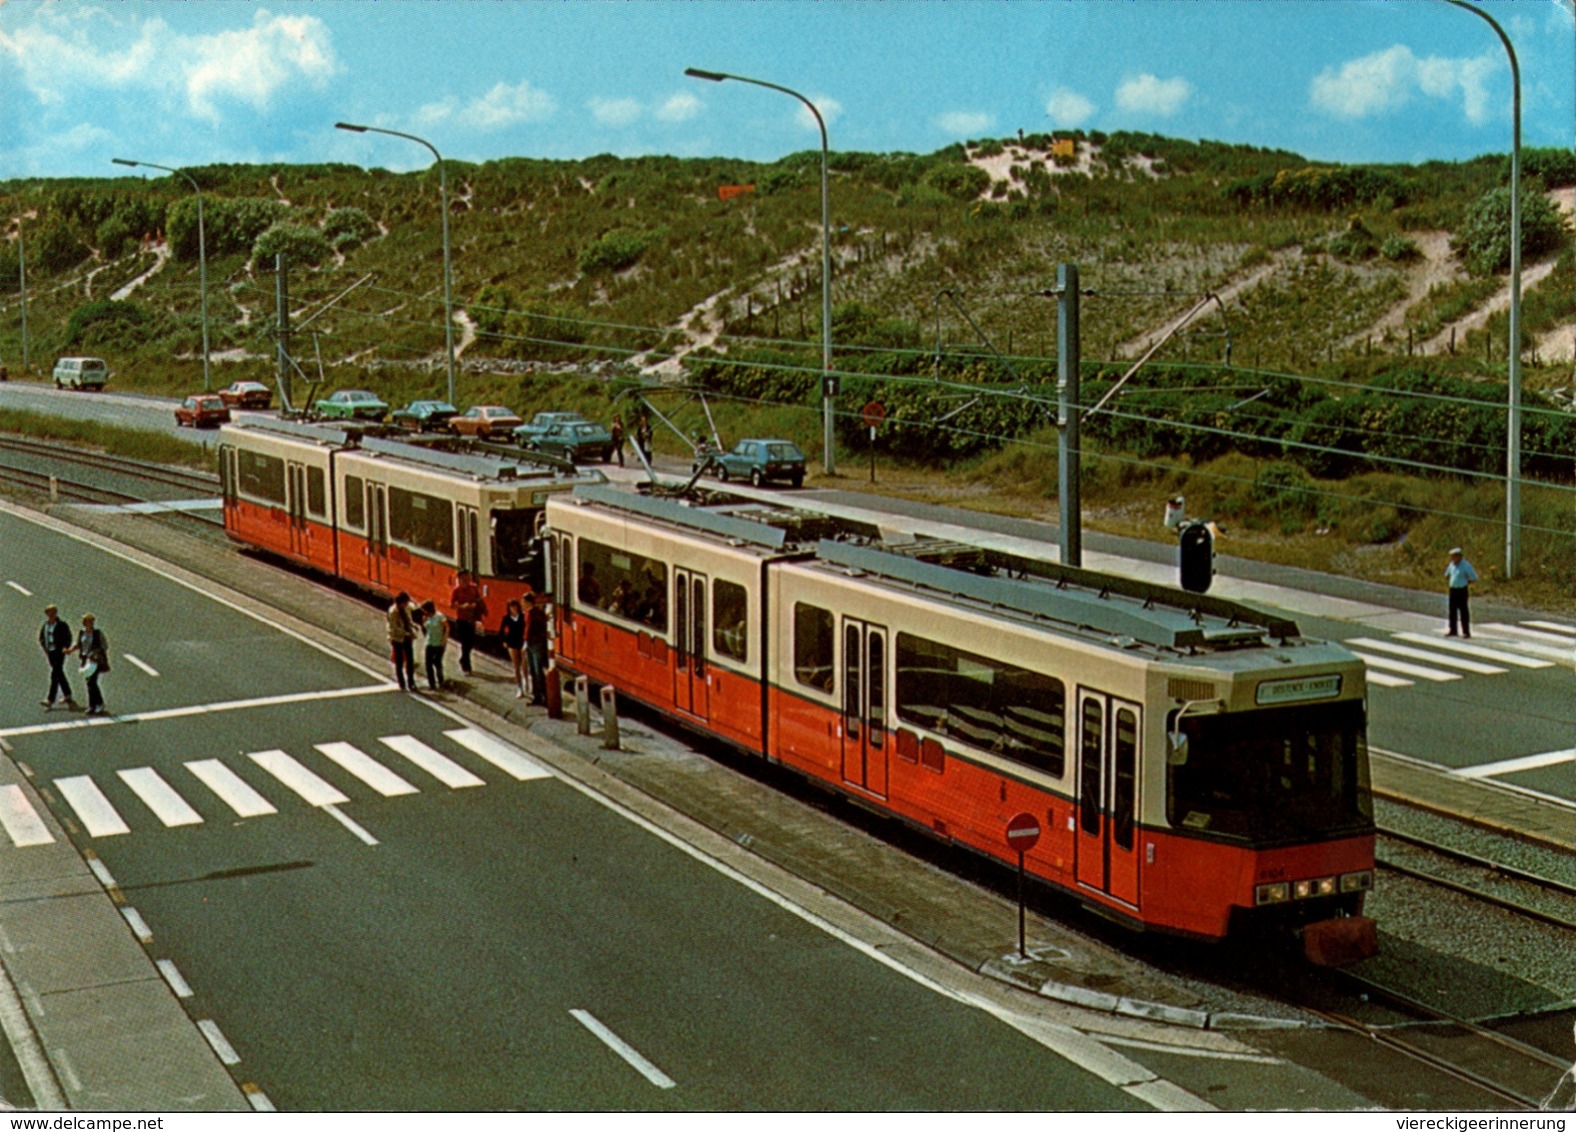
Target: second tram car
[389,515]
[1196,765]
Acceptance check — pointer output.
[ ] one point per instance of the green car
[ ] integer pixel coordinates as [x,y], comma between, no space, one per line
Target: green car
[353,405]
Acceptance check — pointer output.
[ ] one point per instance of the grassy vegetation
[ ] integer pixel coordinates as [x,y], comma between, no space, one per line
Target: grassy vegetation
[136,444]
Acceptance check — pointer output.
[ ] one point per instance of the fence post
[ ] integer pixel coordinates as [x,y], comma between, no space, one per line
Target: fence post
[582,705]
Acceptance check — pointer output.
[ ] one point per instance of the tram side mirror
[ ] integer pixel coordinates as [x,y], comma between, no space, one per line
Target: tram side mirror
[1176,749]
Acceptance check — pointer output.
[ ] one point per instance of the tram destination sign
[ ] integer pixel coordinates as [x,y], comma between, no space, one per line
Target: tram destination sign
[1297,690]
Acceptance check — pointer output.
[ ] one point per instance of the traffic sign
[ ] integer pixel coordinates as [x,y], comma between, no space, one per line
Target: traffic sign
[1023,832]
[873,414]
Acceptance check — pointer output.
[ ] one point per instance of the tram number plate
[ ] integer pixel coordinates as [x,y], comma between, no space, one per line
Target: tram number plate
[1297,690]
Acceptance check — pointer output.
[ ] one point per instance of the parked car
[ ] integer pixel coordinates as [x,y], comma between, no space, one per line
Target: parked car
[81,373]
[247,395]
[421,415]
[761,461]
[542,422]
[353,404]
[202,410]
[576,441]
[485,422]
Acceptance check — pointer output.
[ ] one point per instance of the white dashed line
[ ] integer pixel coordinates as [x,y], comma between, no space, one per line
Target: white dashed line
[628,1052]
[21,589]
[172,976]
[142,664]
[210,1030]
[1511,766]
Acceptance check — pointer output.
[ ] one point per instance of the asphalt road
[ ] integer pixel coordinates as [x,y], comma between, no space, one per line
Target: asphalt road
[451,927]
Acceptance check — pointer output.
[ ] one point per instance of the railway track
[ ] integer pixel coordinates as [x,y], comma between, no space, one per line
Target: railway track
[1530,886]
[134,476]
[139,470]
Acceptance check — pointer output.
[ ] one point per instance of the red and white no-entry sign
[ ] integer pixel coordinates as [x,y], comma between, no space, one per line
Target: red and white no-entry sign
[1023,832]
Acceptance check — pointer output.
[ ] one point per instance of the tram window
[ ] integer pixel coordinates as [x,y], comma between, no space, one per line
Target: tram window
[1090,753]
[263,477]
[1125,787]
[877,648]
[812,646]
[423,521]
[623,583]
[982,702]
[729,620]
[316,495]
[355,502]
[1276,774]
[515,549]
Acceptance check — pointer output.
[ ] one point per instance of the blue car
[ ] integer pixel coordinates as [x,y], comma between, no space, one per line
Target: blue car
[761,462]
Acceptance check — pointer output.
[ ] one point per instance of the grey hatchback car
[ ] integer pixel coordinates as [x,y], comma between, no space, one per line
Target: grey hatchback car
[760,462]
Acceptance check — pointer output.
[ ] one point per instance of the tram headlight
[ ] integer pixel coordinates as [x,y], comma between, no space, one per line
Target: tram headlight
[1272,893]
[1302,889]
[1357,882]
[1326,886]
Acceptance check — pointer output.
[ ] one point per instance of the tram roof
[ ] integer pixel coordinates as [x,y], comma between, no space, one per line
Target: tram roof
[1125,611]
[734,518]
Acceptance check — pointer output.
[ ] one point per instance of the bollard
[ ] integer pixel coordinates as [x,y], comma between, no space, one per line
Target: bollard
[609,718]
[582,705]
[54,490]
[554,694]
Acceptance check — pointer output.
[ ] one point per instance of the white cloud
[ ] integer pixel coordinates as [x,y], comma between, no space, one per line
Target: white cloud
[680,108]
[1386,80]
[502,106]
[964,123]
[1068,108]
[830,109]
[68,49]
[1148,95]
[615,111]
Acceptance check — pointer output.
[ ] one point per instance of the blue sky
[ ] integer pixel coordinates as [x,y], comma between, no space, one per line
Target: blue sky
[228,81]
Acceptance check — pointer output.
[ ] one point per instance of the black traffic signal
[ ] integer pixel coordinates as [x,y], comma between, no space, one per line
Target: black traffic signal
[1196,557]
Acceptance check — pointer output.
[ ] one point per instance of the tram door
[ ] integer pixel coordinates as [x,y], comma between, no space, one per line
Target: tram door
[864,706]
[469,554]
[229,476]
[1108,750]
[563,597]
[295,507]
[690,691]
[377,534]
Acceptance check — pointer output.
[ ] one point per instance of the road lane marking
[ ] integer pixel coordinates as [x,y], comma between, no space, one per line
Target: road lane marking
[142,664]
[1498,655]
[160,797]
[1403,667]
[201,709]
[1423,654]
[139,926]
[231,788]
[21,589]
[1511,766]
[257,1098]
[172,975]
[153,506]
[1553,627]
[366,768]
[21,821]
[1387,681]
[508,759]
[98,817]
[308,785]
[350,824]
[628,1052]
[1530,634]
[441,767]
[225,1051]
[100,870]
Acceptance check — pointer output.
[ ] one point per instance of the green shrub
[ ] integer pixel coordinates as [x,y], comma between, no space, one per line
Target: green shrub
[960,182]
[1400,249]
[230,226]
[302,246]
[1483,241]
[615,251]
[346,228]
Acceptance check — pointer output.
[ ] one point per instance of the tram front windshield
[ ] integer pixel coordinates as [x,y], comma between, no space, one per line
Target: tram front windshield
[1274,776]
[515,548]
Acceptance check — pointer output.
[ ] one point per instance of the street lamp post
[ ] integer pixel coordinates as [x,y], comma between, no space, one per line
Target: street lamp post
[202,257]
[827,399]
[443,196]
[1513,377]
[21,270]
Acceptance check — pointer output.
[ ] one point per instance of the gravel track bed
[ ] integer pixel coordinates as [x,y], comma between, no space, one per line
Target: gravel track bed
[1452,833]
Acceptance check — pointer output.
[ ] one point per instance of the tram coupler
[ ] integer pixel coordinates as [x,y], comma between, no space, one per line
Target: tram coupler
[554,694]
[1341,941]
[582,705]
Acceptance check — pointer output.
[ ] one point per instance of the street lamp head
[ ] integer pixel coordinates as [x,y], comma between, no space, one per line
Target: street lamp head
[123,161]
[709,76]
[351,127]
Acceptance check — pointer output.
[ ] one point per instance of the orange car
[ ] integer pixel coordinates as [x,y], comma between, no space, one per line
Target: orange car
[486,422]
[202,410]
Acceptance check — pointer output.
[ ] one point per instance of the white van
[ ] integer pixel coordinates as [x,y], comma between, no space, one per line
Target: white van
[81,373]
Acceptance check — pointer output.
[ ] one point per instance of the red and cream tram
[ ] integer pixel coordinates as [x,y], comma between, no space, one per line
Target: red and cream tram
[1195,764]
[388,515]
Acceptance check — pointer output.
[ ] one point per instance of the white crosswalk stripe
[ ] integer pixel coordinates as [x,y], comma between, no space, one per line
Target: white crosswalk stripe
[1422,654]
[1523,632]
[366,768]
[1418,670]
[93,809]
[1472,648]
[1385,680]
[21,821]
[231,788]
[1553,627]
[441,767]
[500,754]
[168,806]
[308,785]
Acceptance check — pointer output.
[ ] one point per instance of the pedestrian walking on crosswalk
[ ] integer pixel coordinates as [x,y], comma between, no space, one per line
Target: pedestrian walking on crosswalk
[1458,576]
[54,637]
[92,649]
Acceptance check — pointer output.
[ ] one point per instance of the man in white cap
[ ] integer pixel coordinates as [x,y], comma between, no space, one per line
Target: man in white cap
[1458,576]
